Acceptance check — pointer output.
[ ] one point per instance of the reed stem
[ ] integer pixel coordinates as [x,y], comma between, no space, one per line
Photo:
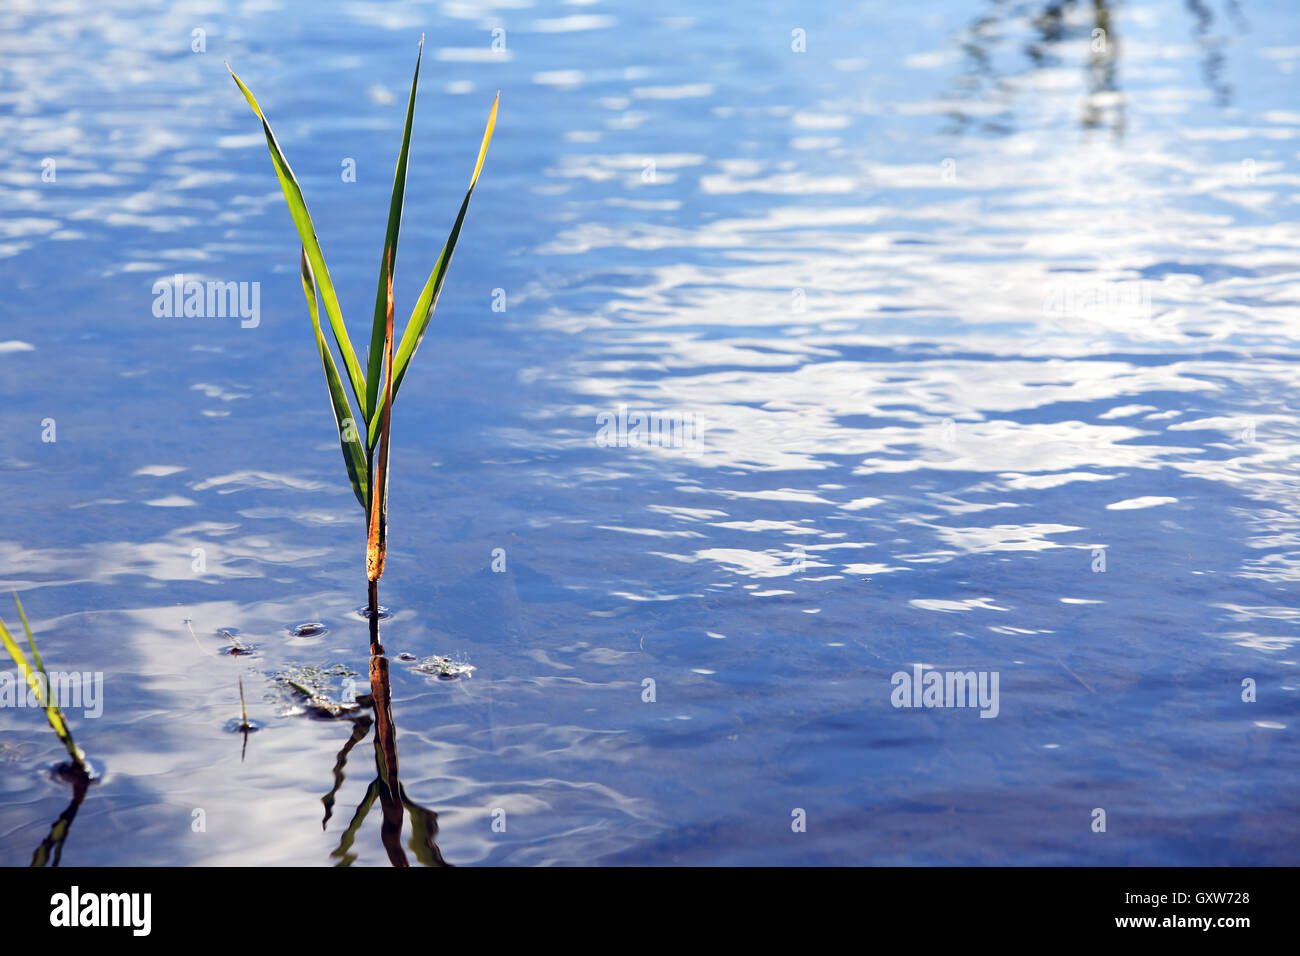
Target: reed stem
[373,611]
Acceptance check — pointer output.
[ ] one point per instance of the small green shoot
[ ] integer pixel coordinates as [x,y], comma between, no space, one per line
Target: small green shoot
[38,679]
[364,436]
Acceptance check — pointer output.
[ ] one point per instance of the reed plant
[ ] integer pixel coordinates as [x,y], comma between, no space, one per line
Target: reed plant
[364,432]
[38,679]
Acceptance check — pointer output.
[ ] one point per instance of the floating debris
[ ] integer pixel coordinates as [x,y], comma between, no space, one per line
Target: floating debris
[309,684]
[405,656]
[316,676]
[236,647]
[188,622]
[322,704]
[444,668]
[314,629]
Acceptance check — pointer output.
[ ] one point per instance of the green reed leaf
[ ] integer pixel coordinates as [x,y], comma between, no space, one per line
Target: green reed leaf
[389,259]
[354,457]
[307,233]
[424,306]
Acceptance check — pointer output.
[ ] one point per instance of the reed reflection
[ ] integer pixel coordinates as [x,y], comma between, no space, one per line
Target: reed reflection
[50,852]
[386,788]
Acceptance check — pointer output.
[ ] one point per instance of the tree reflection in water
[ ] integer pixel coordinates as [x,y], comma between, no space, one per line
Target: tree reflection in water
[983,81]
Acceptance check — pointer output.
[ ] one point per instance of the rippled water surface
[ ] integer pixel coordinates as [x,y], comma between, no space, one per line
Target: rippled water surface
[986,323]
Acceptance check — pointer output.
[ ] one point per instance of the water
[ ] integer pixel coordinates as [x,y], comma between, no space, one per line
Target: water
[967,306]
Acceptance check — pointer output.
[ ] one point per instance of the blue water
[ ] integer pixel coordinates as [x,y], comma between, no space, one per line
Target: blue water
[989,336]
